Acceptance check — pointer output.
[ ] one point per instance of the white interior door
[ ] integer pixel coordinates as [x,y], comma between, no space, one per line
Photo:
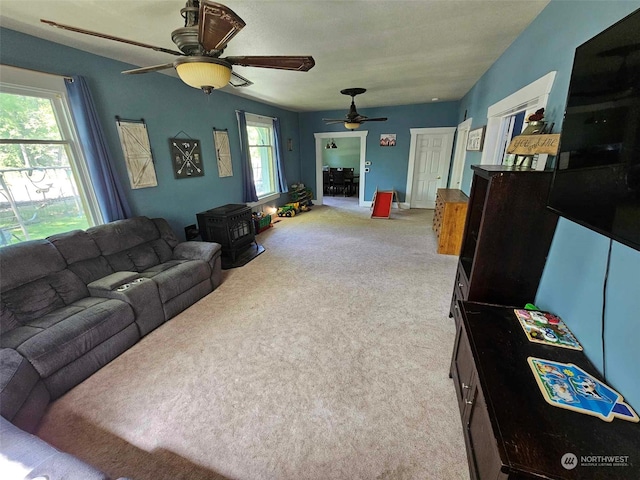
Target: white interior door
[432,159]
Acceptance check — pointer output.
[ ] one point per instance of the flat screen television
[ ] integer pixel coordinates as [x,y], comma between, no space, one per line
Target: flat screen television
[596,180]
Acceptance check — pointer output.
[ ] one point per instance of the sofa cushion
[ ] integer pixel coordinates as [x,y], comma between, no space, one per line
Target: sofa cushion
[8,320]
[75,246]
[177,276]
[82,255]
[140,257]
[61,340]
[42,296]
[17,336]
[122,235]
[91,269]
[166,232]
[43,259]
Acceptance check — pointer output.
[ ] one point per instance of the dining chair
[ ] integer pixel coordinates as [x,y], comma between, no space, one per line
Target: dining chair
[348,181]
[337,180]
[326,181]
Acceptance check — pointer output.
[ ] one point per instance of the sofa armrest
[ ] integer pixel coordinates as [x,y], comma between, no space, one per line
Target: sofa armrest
[139,292]
[111,282]
[206,251]
[23,396]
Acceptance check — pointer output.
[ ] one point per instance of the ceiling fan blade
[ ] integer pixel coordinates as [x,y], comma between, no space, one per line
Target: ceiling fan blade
[297,63]
[239,80]
[379,119]
[330,121]
[153,68]
[109,37]
[217,25]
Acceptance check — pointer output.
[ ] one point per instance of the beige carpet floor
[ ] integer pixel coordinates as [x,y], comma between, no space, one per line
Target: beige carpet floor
[326,357]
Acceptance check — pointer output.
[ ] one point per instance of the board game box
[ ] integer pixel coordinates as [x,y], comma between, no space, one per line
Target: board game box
[546,328]
[567,386]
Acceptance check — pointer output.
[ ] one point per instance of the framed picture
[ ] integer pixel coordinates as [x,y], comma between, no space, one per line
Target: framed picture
[186,157]
[475,141]
[388,140]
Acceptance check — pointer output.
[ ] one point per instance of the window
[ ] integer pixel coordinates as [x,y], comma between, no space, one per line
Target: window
[44,186]
[263,155]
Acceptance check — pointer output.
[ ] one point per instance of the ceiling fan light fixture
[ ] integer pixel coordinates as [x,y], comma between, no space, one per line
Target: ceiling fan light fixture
[351,126]
[204,73]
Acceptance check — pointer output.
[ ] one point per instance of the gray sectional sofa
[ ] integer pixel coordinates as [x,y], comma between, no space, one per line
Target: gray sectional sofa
[73,302]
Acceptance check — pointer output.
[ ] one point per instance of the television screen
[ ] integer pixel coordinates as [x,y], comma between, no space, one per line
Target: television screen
[597,173]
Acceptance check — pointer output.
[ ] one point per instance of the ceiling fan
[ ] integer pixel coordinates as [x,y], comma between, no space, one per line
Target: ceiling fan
[353,119]
[208,27]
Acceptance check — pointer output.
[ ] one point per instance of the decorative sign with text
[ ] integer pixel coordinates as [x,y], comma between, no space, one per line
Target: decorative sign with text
[533,144]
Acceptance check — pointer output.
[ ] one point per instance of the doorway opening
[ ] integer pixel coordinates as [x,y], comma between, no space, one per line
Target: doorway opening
[328,137]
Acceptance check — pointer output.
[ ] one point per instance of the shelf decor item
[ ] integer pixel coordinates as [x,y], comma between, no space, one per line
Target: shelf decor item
[475,141]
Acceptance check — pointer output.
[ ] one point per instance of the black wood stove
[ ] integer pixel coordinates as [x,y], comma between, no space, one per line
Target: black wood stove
[232,227]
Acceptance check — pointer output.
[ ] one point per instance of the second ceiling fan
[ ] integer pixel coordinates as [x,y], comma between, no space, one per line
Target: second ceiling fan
[353,119]
[209,26]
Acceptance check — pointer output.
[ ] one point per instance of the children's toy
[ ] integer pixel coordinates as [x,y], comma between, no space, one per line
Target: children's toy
[546,328]
[381,203]
[567,386]
[287,211]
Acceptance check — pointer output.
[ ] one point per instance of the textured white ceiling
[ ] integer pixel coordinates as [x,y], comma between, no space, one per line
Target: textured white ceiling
[402,52]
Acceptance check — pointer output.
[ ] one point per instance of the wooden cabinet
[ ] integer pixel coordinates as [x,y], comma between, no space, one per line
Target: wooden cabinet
[507,235]
[448,219]
[510,431]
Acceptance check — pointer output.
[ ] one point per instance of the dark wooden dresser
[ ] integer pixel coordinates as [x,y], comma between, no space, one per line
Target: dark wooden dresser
[448,219]
[507,235]
[510,431]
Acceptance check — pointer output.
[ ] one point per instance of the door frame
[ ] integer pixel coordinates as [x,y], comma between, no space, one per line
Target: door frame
[460,155]
[412,155]
[320,141]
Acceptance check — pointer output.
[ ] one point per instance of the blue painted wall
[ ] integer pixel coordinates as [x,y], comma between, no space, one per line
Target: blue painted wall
[572,283]
[169,107]
[388,164]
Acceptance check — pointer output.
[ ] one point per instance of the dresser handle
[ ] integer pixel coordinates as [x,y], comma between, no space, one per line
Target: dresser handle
[465,386]
[468,402]
[456,307]
[460,284]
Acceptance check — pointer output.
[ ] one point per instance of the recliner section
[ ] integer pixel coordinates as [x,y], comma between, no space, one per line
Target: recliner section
[73,302]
